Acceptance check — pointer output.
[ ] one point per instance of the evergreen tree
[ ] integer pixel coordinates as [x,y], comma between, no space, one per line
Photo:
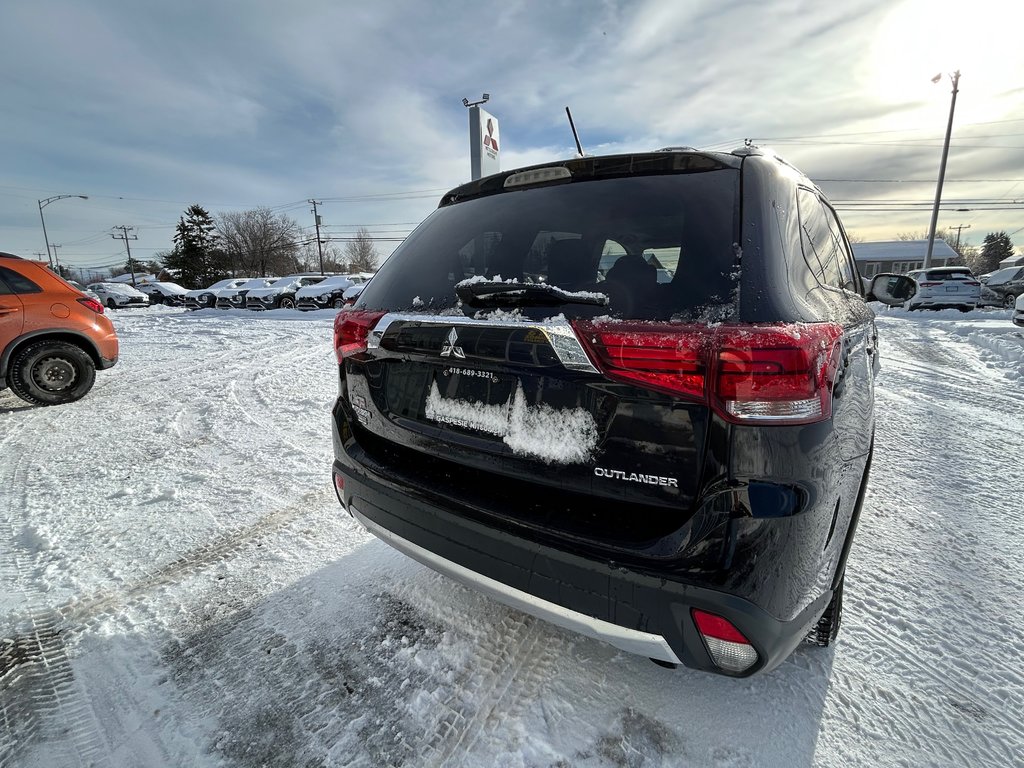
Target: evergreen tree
[994,248]
[197,257]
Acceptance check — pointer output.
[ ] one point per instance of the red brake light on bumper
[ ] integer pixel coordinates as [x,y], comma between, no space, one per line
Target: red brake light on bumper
[728,647]
[779,373]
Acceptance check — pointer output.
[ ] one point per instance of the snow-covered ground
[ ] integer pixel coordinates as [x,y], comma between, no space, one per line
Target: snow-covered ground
[179,587]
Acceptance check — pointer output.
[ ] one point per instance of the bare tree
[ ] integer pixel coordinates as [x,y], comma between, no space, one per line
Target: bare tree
[309,256]
[361,252]
[259,242]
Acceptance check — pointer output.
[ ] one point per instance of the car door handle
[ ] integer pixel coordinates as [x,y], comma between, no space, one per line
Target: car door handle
[9,310]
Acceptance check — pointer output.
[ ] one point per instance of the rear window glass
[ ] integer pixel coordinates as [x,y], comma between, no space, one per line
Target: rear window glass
[659,247]
[944,275]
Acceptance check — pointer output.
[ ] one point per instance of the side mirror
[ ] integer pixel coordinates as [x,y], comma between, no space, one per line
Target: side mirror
[891,289]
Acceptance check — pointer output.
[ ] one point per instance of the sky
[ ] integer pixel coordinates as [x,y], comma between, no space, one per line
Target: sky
[147,108]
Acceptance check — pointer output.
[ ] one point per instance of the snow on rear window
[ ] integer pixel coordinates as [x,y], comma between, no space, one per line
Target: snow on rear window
[566,436]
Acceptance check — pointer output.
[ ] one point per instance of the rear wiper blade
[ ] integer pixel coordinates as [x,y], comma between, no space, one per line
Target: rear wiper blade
[490,294]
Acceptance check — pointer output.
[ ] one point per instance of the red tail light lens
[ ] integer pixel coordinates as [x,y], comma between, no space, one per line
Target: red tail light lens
[776,373]
[928,285]
[971,282]
[668,358]
[728,647]
[92,304]
[351,329]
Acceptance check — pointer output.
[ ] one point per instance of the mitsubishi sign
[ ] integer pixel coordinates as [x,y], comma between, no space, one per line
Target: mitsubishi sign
[484,143]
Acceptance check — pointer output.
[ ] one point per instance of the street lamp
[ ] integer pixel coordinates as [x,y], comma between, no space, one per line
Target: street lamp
[42,204]
[942,167]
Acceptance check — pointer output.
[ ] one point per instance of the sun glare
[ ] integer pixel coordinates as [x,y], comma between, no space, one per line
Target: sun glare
[919,39]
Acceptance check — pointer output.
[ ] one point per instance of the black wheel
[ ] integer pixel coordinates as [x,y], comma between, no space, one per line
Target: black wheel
[111,304]
[286,302]
[965,308]
[824,633]
[156,298]
[51,373]
[339,303]
[1009,301]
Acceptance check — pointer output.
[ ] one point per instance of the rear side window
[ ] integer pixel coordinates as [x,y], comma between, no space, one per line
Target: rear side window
[659,246]
[14,282]
[823,245]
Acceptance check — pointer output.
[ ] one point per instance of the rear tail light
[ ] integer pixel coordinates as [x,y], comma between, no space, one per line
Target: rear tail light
[928,285]
[660,356]
[777,373]
[92,304]
[972,282]
[729,648]
[351,329]
[782,374]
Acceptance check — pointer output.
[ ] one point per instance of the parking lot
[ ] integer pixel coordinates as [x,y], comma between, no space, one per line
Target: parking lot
[180,586]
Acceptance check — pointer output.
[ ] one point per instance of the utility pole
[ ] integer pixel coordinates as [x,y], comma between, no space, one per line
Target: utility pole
[319,243]
[125,237]
[957,246]
[56,261]
[942,167]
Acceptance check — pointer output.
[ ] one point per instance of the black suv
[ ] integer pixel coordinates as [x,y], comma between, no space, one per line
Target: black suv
[632,395]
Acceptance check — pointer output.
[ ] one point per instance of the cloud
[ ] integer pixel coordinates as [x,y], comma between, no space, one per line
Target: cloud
[269,102]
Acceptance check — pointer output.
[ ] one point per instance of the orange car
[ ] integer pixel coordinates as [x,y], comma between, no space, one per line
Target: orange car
[52,336]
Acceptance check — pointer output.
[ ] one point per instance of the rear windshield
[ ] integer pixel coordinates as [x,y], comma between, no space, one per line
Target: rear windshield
[941,274]
[659,247]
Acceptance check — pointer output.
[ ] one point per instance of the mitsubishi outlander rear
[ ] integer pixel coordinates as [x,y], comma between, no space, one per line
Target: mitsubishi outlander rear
[632,395]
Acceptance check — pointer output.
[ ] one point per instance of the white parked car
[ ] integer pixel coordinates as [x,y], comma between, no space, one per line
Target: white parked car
[171,294]
[234,297]
[280,295]
[118,295]
[351,294]
[206,298]
[326,294]
[1018,311]
[942,287]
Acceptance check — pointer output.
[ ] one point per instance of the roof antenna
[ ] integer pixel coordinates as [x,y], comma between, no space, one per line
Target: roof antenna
[579,147]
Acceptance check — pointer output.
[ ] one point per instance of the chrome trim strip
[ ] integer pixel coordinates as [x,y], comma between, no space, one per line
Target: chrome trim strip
[629,640]
[558,333]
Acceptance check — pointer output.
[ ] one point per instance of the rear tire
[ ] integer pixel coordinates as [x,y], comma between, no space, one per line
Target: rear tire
[824,633]
[111,304]
[287,302]
[1009,301]
[339,303]
[51,373]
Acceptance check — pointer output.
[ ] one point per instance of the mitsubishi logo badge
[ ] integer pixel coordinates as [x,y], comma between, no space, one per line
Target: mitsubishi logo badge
[449,348]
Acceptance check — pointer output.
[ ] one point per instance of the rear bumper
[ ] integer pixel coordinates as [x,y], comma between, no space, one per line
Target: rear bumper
[642,612]
[943,301]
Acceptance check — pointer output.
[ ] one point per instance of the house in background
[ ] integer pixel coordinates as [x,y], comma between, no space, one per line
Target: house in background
[1012,261]
[900,256]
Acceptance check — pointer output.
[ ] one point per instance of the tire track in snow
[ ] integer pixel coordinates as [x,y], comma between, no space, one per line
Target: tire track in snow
[39,696]
[506,673]
[225,546]
[926,611]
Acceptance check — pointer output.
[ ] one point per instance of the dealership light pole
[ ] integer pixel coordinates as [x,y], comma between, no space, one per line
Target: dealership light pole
[942,167]
[42,204]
